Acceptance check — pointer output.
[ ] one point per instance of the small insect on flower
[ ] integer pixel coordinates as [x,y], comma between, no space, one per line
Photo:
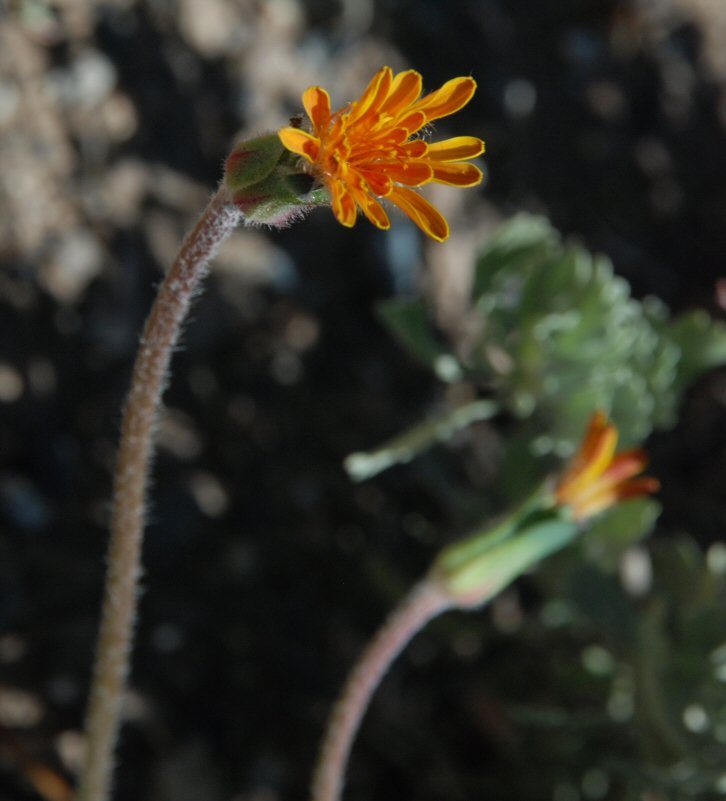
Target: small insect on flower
[370,149]
[598,478]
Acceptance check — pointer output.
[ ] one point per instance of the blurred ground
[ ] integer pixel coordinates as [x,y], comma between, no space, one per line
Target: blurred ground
[266,568]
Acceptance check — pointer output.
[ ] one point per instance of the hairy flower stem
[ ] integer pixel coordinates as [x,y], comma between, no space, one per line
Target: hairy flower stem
[426,601]
[130,481]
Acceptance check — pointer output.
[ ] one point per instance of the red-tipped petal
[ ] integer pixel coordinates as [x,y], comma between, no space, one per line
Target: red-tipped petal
[626,465]
[636,487]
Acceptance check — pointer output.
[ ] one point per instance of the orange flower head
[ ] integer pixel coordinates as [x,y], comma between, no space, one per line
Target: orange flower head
[371,148]
[598,478]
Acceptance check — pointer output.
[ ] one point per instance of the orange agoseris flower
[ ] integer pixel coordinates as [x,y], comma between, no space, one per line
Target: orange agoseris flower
[369,149]
[597,477]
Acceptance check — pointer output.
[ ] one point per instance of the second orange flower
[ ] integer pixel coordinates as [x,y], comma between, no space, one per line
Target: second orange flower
[370,149]
[598,477]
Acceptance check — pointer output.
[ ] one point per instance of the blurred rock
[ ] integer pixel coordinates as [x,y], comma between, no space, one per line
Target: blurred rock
[76,261]
[212,27]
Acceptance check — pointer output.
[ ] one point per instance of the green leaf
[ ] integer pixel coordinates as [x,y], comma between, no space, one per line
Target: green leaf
[619,528]
[404,447]
[525,238]
[560,335]
[553,334]
[702,344]
[410,322]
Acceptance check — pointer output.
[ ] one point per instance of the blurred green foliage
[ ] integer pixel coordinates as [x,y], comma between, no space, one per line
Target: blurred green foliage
[627,699]
[630,685]
[553,334]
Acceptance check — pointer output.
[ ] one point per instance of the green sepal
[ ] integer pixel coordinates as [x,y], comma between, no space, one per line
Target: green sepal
[279,198]
[252,160]
[475,570]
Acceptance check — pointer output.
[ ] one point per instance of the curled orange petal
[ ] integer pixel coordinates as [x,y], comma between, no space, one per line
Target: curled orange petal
[373,96]
[408,173]
[316,102]
[300,142]
[378,182]
[428,218]
[595,459]
[456,149]
[405,89]
[458,173]
[643,485]
[412,121]
[450,98]
[374,211]
[626,464]
[343,204]
[415,149]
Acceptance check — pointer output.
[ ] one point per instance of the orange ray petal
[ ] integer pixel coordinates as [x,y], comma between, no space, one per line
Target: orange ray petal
[373,210]
[300,142]
[645,485]
[609,495]
[626,465]
[456,149]
[412,121]
[405,89]
[452,96]
[459,173]
[343,204]
[584,508]
[415,149]
[378,183]
[592,461]
[384,138]
[623,467]
[410,173]
[384,147]
[374,95]
[428,218]
[316,102]
[598,423]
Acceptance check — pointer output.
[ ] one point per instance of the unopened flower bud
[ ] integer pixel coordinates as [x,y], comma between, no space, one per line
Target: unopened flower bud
[266,183]
[252,160]
[475,570]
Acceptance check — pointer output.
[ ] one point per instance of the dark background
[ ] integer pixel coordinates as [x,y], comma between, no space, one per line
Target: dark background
[266,568]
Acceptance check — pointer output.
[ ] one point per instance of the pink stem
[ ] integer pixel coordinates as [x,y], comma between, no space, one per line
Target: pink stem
[426,601]
[141,411]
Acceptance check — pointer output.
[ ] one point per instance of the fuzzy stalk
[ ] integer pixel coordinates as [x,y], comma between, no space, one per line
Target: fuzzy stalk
[427,600]
[140,415]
